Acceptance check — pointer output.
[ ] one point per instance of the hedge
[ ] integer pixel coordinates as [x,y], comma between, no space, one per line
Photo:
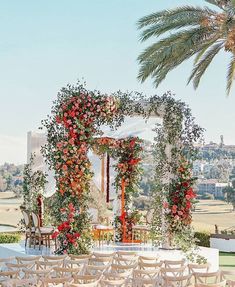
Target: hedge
[203,238]
[9,237]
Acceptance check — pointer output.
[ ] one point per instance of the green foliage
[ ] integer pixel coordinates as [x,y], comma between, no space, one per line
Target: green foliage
[9,238]
[229,191]
[33,186]
[11,178]
[190,31]
[203,238]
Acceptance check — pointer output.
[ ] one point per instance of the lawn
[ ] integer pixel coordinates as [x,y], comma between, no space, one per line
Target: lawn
[227,261]
[211,212]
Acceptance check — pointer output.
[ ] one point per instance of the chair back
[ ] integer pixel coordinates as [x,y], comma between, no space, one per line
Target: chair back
[85,279]
[46,282]
[173,272]
[94,270]
[19,283]
[174,263]
[36,221]
[29,259]
[26,217]
[150,266]
[117,282]
[229,276]
[148,259]
[199,268]
[61,272]
[205,278]
[100,261]
[101,255]
[181,281]
[218,284]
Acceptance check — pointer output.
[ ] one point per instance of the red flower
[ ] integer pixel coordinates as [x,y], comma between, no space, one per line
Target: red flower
[55,235]
[188,204]
[76,235]
[185,184]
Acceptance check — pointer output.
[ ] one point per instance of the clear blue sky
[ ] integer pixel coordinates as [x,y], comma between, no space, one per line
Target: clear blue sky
[46,44]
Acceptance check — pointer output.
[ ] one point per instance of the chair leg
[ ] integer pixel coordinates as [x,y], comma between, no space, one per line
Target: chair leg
[26,239]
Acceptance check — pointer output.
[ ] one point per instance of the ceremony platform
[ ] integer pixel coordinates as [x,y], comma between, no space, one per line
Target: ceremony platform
[211,254]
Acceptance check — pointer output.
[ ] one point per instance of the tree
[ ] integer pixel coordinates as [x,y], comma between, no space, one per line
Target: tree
[195,31]
[229,191]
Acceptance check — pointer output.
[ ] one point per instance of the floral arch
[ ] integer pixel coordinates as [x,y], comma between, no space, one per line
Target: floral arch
[74,127]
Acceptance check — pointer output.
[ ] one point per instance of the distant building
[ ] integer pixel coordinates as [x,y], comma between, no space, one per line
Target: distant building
[211,186]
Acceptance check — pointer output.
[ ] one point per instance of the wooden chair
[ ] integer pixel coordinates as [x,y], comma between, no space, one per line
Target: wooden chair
[20,268]
[113,282]
[205,278]
[3,262]
[174,263]
[19,283]
[229,276]
[199,267]
[37,274]
[11,274]
[126,254]
[101,255]
[173,272]
[81,280]
[77,260]
[51,258]
[100,261]
[148,259]
[143,278]
[28,260]
[143,229]
[218,284]
[92,284]
[181,281]
[150,266]
[123,271]
[125,261]
[95,270]
[64,281]
[62,272]
[42,234]
[48,265]
[29,229]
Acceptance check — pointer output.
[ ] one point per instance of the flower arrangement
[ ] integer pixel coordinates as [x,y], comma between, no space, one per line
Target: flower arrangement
[180,200]
[72,130]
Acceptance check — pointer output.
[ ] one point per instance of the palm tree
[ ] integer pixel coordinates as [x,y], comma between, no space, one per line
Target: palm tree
[195,31]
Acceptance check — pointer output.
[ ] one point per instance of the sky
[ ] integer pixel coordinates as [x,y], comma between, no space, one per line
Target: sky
[45,45]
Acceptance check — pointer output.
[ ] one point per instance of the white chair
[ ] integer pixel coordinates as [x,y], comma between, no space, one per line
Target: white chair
[29,229]
[229,276]
[143,278]
[174,263]
[206,278]
[19,283]
[218,284]
[46,282]
[181,281]
[41,233]
[199,268]
[143,229]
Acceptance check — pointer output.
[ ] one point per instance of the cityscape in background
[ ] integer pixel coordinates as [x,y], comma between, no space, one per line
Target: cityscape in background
[214,168]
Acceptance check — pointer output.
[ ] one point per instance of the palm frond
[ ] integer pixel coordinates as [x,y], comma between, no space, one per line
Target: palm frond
[172,51]
[230,74]
[180,12]
[202,52]
[201,67]
[163,27]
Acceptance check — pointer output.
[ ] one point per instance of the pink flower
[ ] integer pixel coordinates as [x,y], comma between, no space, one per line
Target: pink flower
[180,213]
[165,205]
[64,167]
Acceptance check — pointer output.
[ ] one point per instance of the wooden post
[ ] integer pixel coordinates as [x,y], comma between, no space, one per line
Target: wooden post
[108,179]
[123,211]
[102,172]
